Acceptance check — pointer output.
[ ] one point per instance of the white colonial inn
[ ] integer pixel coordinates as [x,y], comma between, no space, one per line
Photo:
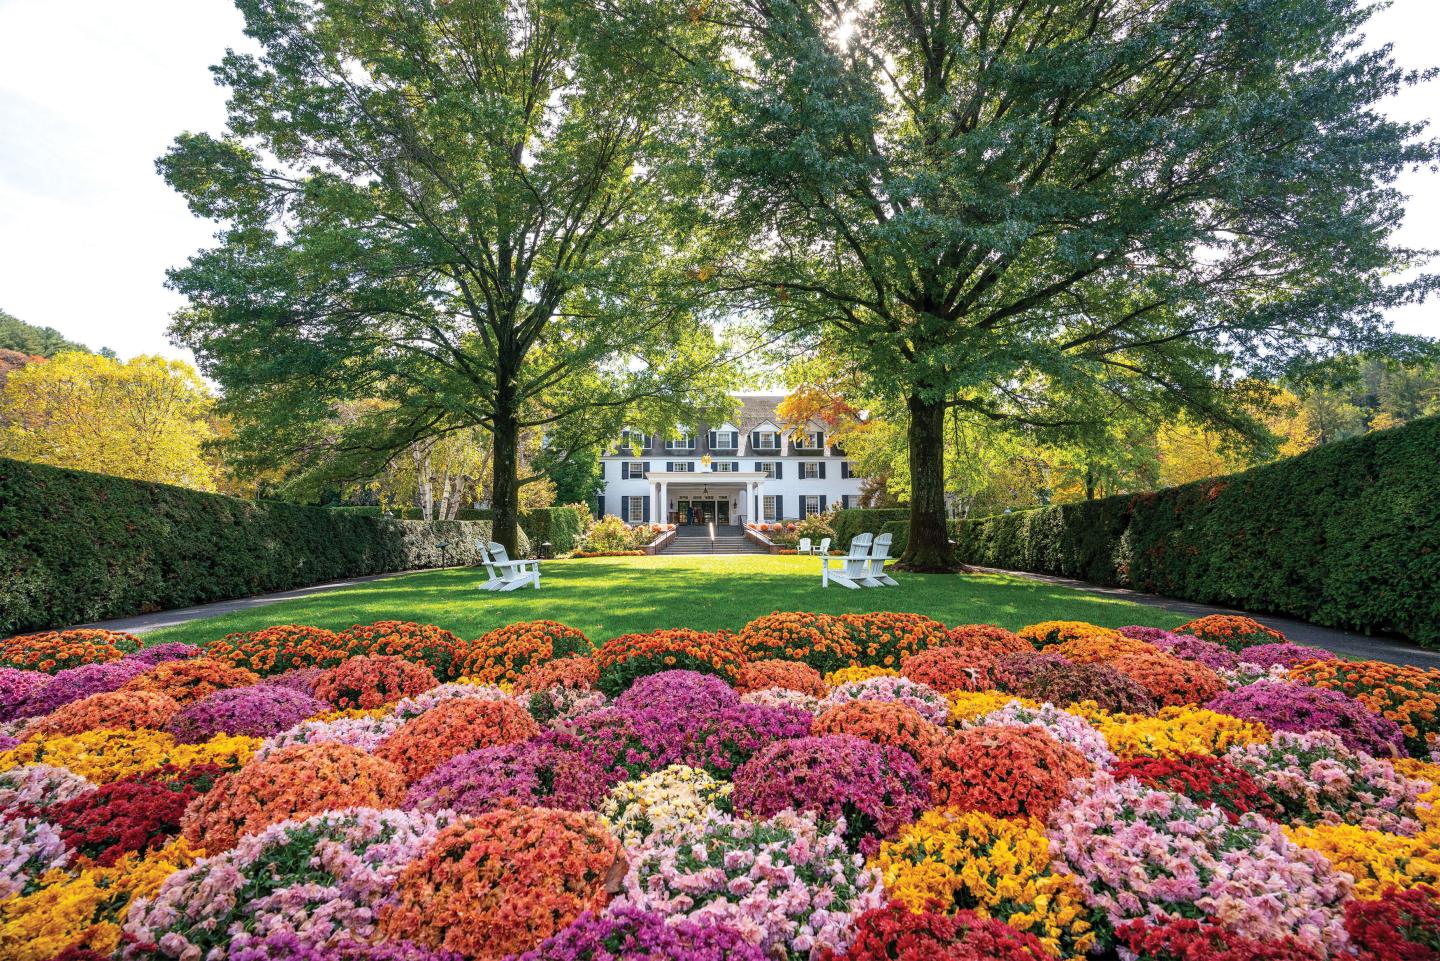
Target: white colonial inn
[754,470]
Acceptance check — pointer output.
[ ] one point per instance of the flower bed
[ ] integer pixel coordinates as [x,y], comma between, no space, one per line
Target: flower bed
[814,788]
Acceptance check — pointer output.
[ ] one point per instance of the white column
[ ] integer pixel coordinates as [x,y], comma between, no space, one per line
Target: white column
[664,503]
[655,487]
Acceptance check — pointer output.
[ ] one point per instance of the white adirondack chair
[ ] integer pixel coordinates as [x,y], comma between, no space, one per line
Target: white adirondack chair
[503,573]
[804,546]
[875,575]
[824,549]
[850,570]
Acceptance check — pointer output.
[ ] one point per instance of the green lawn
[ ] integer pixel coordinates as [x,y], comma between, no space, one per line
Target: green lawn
[608,596]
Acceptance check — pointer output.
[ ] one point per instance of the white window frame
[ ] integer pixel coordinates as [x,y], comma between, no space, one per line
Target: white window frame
[773,435]
[637,511]
[632,470]
[767,509]
[686,441]
[724,466]
[767,467]
[720,436]
[683,466]
[803,441]
[807,501]
[810,470]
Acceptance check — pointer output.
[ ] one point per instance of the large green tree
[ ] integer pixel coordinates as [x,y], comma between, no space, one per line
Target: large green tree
[464,214]
[1041,210]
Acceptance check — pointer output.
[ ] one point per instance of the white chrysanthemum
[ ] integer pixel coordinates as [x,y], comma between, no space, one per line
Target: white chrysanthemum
[674,797]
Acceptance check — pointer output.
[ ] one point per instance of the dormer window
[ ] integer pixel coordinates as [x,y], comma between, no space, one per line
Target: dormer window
[632,439]
[809,440]
[682,441]
[767,440]
[724,438]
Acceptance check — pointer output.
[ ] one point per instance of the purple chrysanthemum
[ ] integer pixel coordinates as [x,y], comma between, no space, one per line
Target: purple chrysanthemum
[78,683]
[1217,657]
[1298,708]
[160,653]
[1284,655]
[641,935]
[259,710]
[683,693]
[16,686]
[550,771]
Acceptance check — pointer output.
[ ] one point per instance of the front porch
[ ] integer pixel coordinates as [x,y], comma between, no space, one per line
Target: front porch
[687,499]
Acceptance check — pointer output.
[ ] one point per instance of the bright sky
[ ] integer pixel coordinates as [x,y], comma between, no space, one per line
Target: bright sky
[92,91]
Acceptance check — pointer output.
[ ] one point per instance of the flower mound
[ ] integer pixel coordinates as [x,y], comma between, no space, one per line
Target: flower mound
[454,728]
[1409,696]
[35,787]
[17,686]
[1066,684]
[1230,630]
[108,755]
[1217,657]
[1048,633]
[884,639]
[884,722]
[1100,648]
[921,698]
[321,878]
[875,788]
[28,848]
[504,653]
[503,882]
[1190,940]
[1285,654]
[54,651]
[629,934]
[138,813]
[426,644]
[366,733]
[1005,771]
[953,861]
[160,653]
[284,647]
[574,672]
[675,797]
[1171,681]
[952,669]
[624,659]
[1067,728]
[117,710]
[298,782]
[821,640]
[1204,780]
[1400,926]
[987,639]
[551,771]
[682,693]
[1376,860]
[70,685]
[1317,780]
[1147,853]
[371,682]
[256,711]
[1175,731]
[787,883]
[192,680]
[895,933]
[1292,707]
[791,675]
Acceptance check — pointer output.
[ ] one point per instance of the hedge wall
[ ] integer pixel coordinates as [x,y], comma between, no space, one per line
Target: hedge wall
[78,547]
[858,520]
[562,526]
[1347,535]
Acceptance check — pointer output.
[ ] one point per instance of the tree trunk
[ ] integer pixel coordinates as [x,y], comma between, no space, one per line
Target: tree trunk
[505,485]
[929,546]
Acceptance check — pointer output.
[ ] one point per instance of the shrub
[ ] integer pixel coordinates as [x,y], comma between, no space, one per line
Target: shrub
[609,535]
[952,669]
[297,782]
[117,710]
[1005,771]
[504,653]
[138,813]
[1409,696]
[426,644]
[819,640]
[192,680]
[644,936]
[883,722]
[952,861]
[503,882]
[284,647]
[884,639]
[455,728]
[623,659]
[1231,630]
[1346,535]
[772,672]
[1066,684]
[1171,681]
[851,521]
[370,682]
[1293,707]
[563,526]
[256,711]
[987,639]
[1204,780]
[54,651]
[86,547]
[895,933]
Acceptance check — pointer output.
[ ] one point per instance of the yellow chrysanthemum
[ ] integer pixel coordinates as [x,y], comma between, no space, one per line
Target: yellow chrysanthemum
[1175,731]
[968,705]
[87,909]
[847,674]
[997,867]
[354,712]
[1375,859]
[108,755]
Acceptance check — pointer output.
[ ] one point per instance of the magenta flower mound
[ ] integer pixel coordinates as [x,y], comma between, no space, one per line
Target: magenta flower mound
[1284,655]
[927,702]
[638,742]
[682,693]
[725,740]
[76,683]
[1150,635]
[1299,708]
[547,771]
[1142,853]
[259,710]
[558,706]
[160,653]
[7,742]
[285,946]
[301,679]
[788,884]
[631,934]
[876,788]
[1217,657]
[15,687]
[410,708]
[365,733]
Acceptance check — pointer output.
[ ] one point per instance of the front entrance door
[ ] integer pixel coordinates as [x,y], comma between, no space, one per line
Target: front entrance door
[704,510]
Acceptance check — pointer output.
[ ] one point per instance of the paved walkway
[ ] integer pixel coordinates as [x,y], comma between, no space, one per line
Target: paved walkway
[1344,643]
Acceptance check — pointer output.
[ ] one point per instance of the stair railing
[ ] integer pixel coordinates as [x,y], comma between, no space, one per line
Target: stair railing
[712,537]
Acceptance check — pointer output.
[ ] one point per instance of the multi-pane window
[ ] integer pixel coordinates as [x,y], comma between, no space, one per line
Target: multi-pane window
[809,505]
[630,439]
[767,467]
[810,471]
[767,440]
[685,441]
[724,466]
[769,508]
[808,441]
[724,439]
[682,466]
[632,470]
[636,510]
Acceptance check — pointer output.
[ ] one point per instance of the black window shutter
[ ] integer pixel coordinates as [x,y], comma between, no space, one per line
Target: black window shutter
[822,502]
[754,439]
[759,465]
[779,470]
[669,465]
[822,470]
[710,438]
[646,508]
[645,466]
[625,508]
[600,505]
[779,507]
[819,438]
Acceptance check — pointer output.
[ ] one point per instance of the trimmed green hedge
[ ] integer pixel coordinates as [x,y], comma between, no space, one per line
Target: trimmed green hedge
[1347,535]
[858,520]
[78,547]
[562,526]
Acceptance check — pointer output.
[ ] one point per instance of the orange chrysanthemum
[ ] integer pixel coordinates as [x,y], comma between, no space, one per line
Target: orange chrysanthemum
[987,638]
[1008,772]
[1231,630]
[884,722]
[368,682]
[1409,696]
[1046,633]
[579,673]
[952,669]
[504,653]
[454,728]
[772,672]
[821,640]
[1100,649]
[192,680]
[273,650]
[115,710]
[885,638]
[54,651]
[622,659]
[1173,682]
[435,647]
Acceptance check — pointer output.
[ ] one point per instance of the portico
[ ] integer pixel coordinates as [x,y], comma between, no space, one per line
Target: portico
[731,497]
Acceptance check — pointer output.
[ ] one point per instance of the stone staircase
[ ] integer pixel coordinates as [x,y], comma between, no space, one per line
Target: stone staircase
[696,540]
